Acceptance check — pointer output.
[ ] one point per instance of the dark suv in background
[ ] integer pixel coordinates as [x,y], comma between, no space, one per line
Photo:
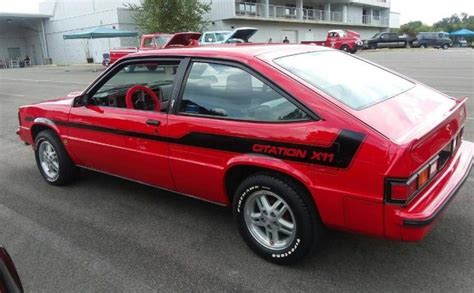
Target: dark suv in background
[386,40]
[433,39]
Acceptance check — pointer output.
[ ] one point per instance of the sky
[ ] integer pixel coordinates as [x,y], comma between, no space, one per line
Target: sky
[428,11]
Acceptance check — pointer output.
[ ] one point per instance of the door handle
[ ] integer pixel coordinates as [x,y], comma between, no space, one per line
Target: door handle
[153,122]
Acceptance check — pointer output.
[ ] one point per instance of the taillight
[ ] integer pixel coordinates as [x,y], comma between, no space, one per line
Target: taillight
[401,191]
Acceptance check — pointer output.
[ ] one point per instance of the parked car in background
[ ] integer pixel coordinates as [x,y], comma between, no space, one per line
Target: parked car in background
[239,35]
[386,40]
[153,42]
[432,39]
[9,279]
[294,138]
[348,41]
[460,42]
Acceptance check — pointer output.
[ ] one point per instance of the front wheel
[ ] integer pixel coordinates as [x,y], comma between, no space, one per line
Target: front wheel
[53,161]
[445,46]
[345,48]
[275,219]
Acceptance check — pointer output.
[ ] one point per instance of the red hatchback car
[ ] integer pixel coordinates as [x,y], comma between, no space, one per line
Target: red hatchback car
[294,137]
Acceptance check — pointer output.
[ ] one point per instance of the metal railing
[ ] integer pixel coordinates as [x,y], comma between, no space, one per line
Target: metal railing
[259,10]
[250,9]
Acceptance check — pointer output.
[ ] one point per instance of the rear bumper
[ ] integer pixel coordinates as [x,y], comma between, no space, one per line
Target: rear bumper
[413,222]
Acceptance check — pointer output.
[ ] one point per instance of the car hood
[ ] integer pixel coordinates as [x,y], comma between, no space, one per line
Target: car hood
[67,100]
[182,39]
[409,115]
[243,33]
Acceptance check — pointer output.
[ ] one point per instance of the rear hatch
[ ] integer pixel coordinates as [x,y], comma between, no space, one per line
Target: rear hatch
[421,117]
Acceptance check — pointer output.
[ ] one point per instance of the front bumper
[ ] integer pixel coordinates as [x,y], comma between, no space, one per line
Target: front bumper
[413,222]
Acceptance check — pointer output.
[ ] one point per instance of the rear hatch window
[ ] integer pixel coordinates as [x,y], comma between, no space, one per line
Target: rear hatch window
[354,82]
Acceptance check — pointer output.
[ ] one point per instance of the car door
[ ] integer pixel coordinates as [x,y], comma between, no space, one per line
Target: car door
[223,108]
[122,127]
[384,41]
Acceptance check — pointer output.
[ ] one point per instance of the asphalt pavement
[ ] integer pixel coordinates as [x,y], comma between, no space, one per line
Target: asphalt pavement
[104,234]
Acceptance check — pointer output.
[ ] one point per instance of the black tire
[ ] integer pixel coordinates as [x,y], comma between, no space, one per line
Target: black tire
[373,46]
[445,46]
[423,46]
[307,231]
[67,170]
[345,48]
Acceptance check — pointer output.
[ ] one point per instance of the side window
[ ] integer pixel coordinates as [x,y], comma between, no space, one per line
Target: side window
[210,38]
[227,91]
[148,43]
[153,82]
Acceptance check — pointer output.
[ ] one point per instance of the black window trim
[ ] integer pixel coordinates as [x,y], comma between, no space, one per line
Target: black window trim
[175,104]
[116,67]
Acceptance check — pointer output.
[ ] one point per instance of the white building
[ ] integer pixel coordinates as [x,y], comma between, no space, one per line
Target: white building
[40,35]
[303,20]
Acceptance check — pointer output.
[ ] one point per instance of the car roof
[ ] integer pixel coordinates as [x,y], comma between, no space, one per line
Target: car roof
[233,51]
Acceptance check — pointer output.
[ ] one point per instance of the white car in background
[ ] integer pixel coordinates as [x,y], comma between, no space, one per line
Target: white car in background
[239,35]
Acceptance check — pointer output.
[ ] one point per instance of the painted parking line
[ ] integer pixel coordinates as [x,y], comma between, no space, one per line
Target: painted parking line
[43,80]
[12,95]
[456,92]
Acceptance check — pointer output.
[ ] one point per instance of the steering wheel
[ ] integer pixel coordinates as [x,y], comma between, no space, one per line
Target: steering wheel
[147,90]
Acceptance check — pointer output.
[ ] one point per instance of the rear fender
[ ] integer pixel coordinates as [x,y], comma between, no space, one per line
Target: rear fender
[270,163]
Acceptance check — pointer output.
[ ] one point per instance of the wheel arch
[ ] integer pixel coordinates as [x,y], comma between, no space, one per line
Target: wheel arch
[240,168]
[41,124]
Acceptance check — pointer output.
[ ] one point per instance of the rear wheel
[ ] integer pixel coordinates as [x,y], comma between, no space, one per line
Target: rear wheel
[445,46]
[275,218]
[52,160]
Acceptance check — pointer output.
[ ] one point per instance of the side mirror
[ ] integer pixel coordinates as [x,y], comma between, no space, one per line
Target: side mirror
[80,101]
[9,279]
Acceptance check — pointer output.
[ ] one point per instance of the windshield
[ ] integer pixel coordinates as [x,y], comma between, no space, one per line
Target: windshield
[222,36]
[162,40]
[376,35]
[354,82]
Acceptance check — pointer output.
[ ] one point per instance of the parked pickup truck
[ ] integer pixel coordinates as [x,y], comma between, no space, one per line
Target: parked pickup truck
[156,41]
[348,41]
[386,40]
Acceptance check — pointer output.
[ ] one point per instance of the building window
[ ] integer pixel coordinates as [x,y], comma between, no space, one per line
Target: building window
[308,12]
[376,14]
[247,7]
[290,10]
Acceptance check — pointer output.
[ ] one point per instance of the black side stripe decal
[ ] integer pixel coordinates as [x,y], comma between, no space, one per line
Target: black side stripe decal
[339,154]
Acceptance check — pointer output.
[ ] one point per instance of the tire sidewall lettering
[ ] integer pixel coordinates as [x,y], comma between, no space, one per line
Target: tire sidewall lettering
[241,202]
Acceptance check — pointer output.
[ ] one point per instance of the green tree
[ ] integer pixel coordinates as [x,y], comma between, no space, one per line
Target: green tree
[170,16]
[412,28]
[455,22]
